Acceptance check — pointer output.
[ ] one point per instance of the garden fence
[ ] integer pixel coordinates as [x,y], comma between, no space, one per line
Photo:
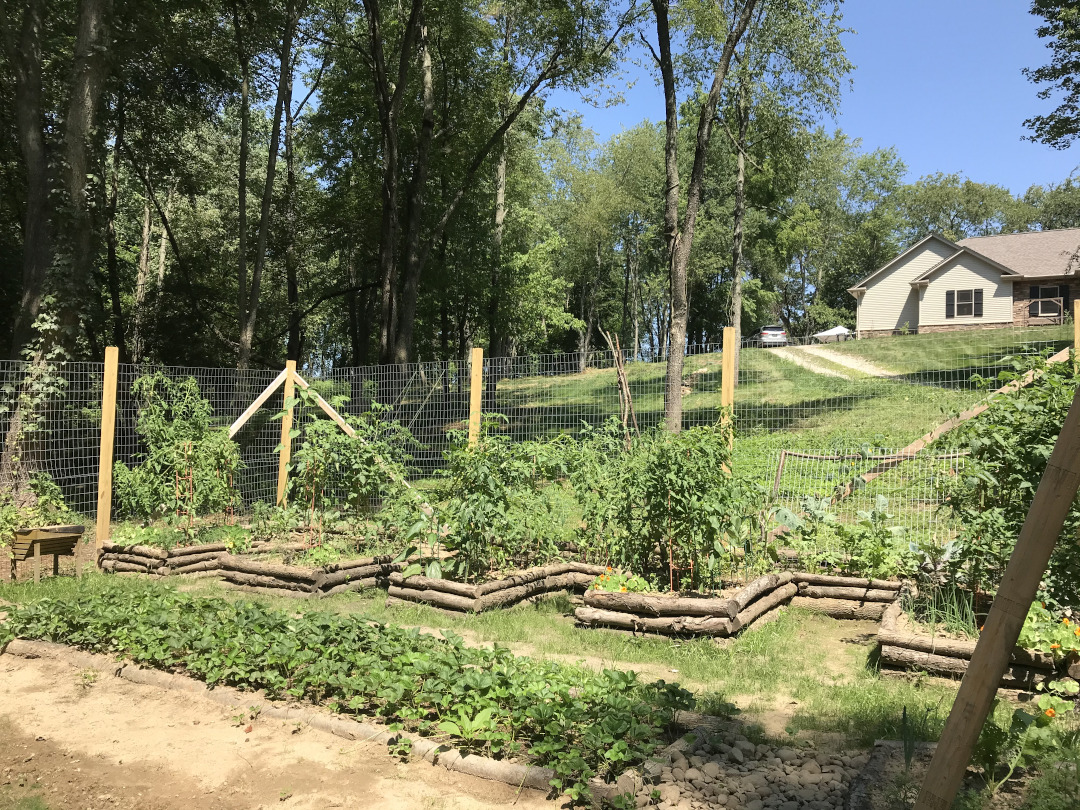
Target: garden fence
[883,392]
[915,491]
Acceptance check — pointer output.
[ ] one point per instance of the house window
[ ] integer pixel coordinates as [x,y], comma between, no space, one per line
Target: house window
[1046,302]
[963,303]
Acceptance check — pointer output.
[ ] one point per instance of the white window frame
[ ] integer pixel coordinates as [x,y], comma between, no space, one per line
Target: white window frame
[1049,308]
[969,303]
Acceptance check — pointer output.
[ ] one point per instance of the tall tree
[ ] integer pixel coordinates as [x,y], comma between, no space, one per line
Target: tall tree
[679,237]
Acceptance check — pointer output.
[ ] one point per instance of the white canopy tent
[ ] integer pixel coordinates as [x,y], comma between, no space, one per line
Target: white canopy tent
[834,335]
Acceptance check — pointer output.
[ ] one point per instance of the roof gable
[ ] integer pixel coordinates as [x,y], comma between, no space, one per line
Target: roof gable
[861,285]
[963,251]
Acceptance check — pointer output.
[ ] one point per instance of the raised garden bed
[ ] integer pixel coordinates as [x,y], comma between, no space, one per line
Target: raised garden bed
[244,571]
[903,646]
[841,597]
[497,593]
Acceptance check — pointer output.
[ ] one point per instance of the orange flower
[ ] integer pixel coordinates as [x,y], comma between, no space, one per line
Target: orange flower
[1076,632]
[1055,646]
[622,589]
[1065,622]
[597,586]
[609,569]
[1050,713]
[980,628]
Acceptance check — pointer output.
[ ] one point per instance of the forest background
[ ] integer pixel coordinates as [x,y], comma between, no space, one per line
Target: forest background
[348,182]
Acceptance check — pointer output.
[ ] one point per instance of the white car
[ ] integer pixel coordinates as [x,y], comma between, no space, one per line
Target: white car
[772,336]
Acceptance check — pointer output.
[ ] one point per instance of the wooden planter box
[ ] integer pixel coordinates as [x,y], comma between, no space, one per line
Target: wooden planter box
[33,542]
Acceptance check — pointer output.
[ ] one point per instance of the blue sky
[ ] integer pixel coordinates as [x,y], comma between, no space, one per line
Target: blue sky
[940,81]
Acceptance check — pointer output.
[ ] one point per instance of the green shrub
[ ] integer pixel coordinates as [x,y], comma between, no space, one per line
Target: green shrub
[189,463]
[1010,445]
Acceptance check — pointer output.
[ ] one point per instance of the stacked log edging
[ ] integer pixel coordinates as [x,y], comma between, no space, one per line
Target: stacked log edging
[499,593]
[845,597]
[903,648]
[243,571]
[840,597]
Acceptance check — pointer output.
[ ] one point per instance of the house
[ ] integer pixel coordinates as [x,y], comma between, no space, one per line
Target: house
[936,285]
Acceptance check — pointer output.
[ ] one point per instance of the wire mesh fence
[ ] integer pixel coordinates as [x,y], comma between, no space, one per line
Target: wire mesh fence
[885,392]
[914,485]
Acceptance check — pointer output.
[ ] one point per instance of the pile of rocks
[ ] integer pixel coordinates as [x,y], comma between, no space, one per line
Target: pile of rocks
[729,771]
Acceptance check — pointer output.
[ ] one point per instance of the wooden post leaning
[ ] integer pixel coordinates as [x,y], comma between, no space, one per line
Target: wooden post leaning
[1028,562]
[727,377]
[476,384]
[286,430]
[108,433]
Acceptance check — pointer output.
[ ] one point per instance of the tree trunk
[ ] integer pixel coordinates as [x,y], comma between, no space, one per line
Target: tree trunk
[679,240]
[24,56]
[247,332]
[112,262]
[388,98]
[291,282]
[244,58]
[88,80]
[742,115]
[406,319]
[142,277]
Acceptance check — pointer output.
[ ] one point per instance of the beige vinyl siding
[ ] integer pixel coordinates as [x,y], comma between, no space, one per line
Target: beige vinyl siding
[966,273]
[890,301]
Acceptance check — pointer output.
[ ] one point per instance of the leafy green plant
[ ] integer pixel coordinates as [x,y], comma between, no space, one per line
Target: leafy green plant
[189,463]
[1043,632]
[46,508]
[1010,444]
[577,722]
[1028,737]
[620,582]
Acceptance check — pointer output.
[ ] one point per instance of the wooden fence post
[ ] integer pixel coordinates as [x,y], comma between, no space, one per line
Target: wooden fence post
[1028,562]
[727,377]
[476,384]
[286,429]
[1076,336]
[108,433]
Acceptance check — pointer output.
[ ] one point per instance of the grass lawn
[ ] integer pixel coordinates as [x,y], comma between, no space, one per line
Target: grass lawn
[959,353]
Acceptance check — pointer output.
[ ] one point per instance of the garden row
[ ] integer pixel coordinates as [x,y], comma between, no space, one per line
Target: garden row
[903,644]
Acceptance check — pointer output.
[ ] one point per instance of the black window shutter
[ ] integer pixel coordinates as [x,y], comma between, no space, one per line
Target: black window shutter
[950,303]
[1064,290]
[978,303]
[1033,307]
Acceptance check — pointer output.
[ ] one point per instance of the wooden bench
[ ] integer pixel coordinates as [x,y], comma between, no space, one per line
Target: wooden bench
[55,540]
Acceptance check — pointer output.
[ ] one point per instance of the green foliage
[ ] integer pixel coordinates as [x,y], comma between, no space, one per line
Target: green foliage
[666,489]
[1027,739]
[189,463]
[46,508]
[498,512]
[870,548]
[1010,445]
[173,533]
[577,722]
[621,582]
[1047,634]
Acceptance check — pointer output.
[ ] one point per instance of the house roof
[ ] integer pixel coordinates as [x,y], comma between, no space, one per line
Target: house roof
[1033,254]
[861,285]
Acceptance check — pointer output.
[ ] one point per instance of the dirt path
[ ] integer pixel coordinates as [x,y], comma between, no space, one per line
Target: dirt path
[84,739]
[802,358]
[850,361]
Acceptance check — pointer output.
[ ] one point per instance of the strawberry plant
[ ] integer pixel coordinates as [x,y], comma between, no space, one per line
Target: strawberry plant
[579,723]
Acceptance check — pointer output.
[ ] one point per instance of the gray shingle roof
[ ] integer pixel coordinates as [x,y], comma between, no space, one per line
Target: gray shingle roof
[1032,254]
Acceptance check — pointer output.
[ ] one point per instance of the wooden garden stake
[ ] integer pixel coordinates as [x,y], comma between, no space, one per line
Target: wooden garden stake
[286,430]
[727,377]
[1028,562]
[476,382]
[108,431]
[1076,335]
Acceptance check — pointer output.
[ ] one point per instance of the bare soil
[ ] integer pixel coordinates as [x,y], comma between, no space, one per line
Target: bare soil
[85,739]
